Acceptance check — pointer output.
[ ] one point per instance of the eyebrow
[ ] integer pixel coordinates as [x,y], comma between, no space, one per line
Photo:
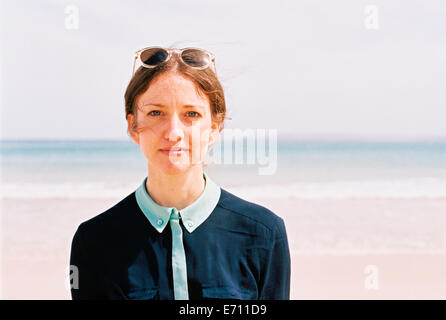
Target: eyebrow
[163,106]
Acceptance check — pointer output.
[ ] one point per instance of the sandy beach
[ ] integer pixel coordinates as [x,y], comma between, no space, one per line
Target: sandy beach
[329,251]
[401,276]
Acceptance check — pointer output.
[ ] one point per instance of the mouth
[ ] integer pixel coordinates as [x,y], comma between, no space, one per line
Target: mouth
[174,151]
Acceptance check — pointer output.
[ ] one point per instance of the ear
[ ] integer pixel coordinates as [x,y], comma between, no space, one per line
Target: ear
[134,135]
[213,136]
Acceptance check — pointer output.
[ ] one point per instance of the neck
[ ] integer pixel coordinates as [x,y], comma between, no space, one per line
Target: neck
[178,191]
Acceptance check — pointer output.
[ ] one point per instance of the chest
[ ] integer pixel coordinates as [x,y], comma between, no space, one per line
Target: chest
[220,264]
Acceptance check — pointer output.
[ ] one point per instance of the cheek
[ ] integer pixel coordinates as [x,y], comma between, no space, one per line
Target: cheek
[198,143]
[205,138]
[198,137]
[148,142]
[204,143]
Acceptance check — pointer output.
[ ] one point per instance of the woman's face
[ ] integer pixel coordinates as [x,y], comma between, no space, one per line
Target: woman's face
[172,114]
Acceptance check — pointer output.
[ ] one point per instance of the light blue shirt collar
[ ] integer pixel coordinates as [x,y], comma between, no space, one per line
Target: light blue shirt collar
[192,216]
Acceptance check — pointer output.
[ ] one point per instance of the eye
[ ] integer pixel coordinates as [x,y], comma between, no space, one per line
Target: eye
[193,114]
[157,113]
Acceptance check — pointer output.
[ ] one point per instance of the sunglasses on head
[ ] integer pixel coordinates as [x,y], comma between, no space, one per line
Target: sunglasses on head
[193,57]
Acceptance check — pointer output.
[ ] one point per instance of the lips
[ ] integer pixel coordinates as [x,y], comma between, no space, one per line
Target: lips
[174,149]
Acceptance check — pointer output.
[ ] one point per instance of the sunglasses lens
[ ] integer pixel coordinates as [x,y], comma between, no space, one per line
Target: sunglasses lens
[196,58]
[154,56]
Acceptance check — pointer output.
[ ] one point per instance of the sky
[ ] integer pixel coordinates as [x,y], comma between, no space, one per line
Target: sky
[359,70]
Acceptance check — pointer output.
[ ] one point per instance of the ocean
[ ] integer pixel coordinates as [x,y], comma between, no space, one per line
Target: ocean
[302,170]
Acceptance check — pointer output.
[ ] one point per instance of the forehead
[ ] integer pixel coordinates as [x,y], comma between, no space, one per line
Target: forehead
[173,88]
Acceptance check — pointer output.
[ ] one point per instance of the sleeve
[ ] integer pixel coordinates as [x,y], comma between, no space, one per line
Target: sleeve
[85,284]
[275,282]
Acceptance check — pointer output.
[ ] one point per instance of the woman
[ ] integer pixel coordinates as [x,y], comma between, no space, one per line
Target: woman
[179,235]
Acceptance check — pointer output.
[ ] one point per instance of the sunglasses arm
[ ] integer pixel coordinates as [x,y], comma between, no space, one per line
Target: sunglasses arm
[134,62]
[215,68]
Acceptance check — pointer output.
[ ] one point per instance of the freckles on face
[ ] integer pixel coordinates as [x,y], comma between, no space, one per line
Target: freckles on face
[171,113]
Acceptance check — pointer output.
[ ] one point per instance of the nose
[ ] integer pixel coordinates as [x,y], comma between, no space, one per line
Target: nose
[174,131]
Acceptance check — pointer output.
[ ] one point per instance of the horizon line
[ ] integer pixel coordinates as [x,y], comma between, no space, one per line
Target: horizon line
[283,139]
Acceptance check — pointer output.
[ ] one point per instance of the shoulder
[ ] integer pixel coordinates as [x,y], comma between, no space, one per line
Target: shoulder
[111,220]
[256,213]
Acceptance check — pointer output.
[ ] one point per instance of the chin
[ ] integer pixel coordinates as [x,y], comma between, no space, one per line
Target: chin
[171,167]
[174,167]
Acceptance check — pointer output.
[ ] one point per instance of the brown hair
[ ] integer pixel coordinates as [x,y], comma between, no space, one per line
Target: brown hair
[206,82]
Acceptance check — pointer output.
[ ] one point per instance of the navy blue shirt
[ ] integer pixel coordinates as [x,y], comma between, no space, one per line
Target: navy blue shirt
[239,252]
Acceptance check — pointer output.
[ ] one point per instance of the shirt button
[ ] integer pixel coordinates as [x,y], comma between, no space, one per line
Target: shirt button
[190,224]
[160,222]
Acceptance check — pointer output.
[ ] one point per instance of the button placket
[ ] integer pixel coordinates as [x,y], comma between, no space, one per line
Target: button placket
[179,267]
